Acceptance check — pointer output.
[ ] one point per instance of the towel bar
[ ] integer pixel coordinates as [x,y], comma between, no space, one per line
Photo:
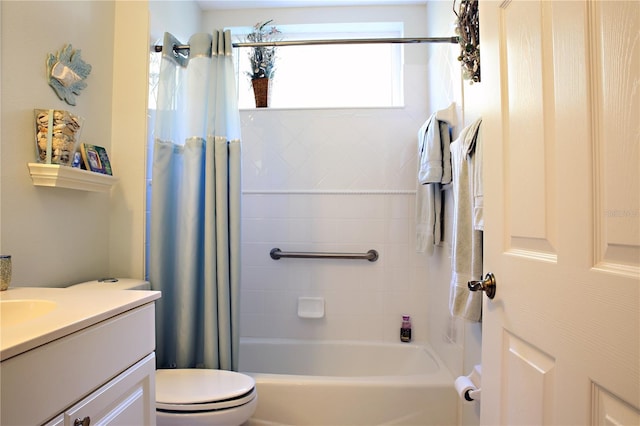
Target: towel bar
[276,254]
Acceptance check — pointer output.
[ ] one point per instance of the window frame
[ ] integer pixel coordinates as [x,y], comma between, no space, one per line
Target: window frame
[394,89]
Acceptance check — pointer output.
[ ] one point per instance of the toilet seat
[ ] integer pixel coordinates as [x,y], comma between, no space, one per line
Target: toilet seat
[194,390]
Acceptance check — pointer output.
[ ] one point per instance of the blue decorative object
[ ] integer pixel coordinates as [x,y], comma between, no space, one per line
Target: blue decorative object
[67,71]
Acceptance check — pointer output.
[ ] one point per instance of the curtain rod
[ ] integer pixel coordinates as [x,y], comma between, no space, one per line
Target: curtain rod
[453,40]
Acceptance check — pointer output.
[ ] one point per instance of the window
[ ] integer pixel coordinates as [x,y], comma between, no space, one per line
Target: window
[330,76]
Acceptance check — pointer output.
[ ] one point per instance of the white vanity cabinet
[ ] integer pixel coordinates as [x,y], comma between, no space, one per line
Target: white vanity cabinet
[102,374]
[123,401]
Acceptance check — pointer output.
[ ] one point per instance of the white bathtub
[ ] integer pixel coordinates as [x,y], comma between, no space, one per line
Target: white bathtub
[330,383]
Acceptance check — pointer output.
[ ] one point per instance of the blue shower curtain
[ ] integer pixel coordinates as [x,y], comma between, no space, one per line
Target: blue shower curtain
[194,250]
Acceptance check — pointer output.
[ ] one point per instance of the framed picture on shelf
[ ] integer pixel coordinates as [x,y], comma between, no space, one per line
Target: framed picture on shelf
[95,159]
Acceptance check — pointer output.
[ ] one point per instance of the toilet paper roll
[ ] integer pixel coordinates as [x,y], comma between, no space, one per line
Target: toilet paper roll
[463,385]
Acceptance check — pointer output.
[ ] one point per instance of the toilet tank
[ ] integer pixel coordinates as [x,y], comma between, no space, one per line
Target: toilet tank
[115,284]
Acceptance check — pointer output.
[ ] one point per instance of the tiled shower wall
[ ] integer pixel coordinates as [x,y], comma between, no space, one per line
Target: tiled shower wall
[333,180]
[364,300]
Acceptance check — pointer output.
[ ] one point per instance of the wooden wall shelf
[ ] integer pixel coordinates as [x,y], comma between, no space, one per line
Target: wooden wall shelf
[54,175]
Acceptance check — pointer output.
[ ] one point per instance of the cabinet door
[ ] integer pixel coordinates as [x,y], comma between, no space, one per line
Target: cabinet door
[129,399]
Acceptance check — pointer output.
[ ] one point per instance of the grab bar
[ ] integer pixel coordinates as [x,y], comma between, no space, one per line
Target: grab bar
[276,254]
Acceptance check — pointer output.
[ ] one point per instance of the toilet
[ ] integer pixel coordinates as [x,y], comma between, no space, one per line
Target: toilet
[202,397]
[194,396]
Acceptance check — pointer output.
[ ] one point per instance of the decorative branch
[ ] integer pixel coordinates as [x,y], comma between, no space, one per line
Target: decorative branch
[468,31]
[263,59]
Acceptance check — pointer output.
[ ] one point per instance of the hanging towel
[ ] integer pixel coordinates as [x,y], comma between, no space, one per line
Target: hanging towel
[428,217]
[466,250]
[448,114]
[478,192]
[433,152]
[433,172]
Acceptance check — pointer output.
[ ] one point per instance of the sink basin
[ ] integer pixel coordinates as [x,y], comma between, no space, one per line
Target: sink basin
[34,316]
[13,312]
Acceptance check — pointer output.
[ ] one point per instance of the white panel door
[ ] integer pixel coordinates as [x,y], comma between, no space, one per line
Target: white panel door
[561,134]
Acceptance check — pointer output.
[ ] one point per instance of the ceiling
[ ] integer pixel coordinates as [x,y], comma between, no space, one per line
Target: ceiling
[257,4]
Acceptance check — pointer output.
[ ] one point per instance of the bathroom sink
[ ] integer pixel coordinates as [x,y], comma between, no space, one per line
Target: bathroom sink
[34,316]
[13,312]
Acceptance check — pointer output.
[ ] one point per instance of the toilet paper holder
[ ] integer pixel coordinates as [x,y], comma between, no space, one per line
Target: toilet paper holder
[468,387]
[473,395]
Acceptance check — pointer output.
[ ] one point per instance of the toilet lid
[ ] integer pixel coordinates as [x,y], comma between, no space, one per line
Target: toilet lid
[196,389]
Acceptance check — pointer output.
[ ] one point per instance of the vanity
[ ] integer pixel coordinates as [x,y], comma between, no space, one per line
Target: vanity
[74,357]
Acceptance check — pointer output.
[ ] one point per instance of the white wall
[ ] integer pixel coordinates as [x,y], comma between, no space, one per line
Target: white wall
[60,236]
[457,341]
[128,145]
[54,235]
[444,82]
[181,18]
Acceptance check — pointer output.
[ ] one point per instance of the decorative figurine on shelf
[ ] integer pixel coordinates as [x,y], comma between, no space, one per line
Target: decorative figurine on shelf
[66,72]
[57,136]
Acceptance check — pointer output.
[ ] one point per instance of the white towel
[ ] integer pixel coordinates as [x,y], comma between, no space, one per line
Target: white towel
[428,217]
[433,151]
[478,190]
[466,255]
[434,170]
[448,114]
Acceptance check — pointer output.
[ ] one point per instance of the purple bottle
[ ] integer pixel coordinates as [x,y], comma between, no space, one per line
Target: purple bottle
[405,329]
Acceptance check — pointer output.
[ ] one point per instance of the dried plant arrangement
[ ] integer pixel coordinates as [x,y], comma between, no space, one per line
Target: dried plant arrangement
[468,31]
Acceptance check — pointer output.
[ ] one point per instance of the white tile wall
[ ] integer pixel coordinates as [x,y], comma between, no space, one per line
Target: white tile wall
[364,300]
[333,180]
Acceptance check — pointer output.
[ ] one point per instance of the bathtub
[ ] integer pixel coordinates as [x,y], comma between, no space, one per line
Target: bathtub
[330,383]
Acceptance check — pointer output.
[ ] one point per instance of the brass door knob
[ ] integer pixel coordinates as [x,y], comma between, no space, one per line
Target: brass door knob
[488,285]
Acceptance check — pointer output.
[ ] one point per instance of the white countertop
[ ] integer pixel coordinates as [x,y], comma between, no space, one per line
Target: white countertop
[76,308]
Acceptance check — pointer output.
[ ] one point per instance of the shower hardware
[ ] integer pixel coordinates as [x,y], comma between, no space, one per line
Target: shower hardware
[405,40]
[488,285]
[276,254]
[453,40]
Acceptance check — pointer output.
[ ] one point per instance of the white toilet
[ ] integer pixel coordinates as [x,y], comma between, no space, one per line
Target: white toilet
[194,397]
[201,397]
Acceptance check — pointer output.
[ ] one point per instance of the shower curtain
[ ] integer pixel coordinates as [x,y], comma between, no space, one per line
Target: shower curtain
[194,243]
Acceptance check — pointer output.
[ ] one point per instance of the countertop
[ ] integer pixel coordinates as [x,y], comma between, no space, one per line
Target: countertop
[76,309]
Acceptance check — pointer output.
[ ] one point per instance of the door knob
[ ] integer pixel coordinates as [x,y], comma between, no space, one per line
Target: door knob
[488,285]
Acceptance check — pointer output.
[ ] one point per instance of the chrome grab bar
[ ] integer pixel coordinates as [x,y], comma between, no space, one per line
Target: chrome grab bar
[276,254]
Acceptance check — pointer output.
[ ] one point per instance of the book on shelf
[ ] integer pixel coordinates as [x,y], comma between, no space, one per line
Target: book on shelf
[95,158]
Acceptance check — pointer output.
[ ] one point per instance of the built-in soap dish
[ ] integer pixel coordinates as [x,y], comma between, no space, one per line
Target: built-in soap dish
[311,307]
